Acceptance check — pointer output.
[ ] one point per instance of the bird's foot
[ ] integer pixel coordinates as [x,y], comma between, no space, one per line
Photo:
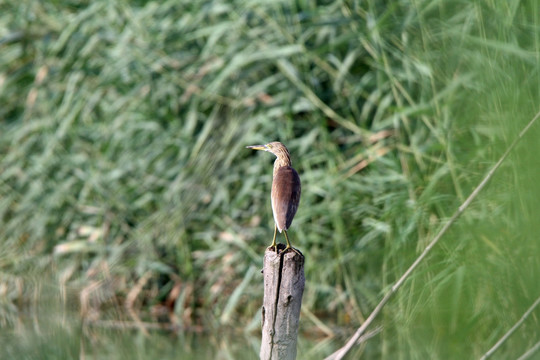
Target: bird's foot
[277,248]
[282,249]
[290,248]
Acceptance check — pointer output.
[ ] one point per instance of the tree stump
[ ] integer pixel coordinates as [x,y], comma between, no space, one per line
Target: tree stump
[283,289]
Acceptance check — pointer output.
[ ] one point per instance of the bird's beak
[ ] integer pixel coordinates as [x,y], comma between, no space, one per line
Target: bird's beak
[257,147]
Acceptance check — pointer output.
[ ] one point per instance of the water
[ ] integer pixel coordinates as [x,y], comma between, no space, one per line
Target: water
[67,338]
[50,330]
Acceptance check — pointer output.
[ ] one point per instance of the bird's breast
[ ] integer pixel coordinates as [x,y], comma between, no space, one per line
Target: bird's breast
[286,190]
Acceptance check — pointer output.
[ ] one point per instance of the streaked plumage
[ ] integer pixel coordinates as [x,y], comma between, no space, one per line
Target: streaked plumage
[286,188]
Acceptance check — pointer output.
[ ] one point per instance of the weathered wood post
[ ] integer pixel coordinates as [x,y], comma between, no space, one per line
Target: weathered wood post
[283,289]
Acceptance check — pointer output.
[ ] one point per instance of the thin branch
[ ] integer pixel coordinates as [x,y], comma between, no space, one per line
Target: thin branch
[511,331]
[369,335]
[530,352]
[339,354]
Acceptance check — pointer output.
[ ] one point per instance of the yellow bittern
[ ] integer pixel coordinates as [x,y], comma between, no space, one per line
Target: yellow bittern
[286,189]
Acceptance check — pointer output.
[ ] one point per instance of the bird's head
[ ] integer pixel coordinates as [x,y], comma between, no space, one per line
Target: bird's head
[274,147]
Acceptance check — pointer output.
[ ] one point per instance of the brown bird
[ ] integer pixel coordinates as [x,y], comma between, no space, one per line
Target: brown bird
[285,189]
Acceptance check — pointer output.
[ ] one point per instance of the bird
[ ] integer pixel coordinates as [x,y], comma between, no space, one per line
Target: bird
[286,189]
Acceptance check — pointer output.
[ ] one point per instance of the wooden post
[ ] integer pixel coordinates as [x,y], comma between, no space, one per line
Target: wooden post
[283,289]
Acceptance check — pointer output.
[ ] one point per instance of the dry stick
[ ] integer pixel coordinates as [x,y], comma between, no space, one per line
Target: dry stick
[530,352]
[339,354]
[511,331]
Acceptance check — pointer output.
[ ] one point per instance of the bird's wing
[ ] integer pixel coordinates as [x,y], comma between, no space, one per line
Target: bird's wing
[286,191]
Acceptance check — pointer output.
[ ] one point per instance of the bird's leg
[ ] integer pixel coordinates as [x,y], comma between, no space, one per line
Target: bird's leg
[274,245]
[289,245]
[287,238]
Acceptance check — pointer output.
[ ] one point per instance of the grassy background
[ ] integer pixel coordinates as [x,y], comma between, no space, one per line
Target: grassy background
[124,176]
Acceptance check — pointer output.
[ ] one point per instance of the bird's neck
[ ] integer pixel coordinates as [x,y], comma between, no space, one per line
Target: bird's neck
[282,160]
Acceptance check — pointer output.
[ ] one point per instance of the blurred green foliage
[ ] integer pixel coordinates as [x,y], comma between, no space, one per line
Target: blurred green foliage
[124,174]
